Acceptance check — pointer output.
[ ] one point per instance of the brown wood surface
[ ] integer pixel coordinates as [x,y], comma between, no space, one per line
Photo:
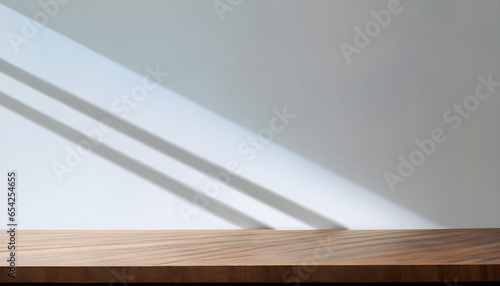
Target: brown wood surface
[119,257]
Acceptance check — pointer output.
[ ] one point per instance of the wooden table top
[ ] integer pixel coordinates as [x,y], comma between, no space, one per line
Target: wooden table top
[279,256]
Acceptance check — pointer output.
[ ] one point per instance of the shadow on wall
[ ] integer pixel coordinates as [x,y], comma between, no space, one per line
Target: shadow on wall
[357,118]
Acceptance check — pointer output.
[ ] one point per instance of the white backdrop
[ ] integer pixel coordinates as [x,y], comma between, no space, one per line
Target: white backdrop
[361,81]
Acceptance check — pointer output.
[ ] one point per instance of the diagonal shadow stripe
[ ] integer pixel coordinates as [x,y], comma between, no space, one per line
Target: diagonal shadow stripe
[223,211]
[248,187]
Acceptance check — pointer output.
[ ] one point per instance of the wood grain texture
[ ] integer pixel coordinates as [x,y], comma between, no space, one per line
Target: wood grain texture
[255,256]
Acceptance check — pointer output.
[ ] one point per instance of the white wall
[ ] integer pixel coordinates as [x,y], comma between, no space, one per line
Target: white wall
[353,119]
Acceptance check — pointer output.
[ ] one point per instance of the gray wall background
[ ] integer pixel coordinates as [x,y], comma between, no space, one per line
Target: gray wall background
[353,119]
